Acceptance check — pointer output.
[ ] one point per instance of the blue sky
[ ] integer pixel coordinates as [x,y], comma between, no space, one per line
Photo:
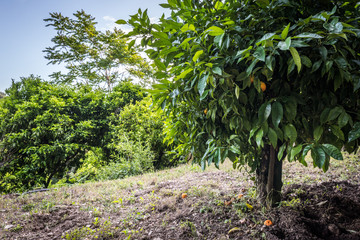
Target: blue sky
[24,35]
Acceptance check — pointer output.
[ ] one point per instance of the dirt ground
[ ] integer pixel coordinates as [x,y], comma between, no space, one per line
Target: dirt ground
[314,206]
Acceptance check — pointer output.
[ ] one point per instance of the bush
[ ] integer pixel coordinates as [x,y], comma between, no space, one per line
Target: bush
[140,124]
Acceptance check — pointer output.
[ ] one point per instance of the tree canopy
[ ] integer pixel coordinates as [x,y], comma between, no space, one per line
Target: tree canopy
[257,80]
[91,56]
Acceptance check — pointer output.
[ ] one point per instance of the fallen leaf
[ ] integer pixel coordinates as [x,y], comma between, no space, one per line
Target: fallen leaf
[235,229]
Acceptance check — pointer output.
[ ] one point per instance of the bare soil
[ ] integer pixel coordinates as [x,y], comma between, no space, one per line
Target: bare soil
[314,206]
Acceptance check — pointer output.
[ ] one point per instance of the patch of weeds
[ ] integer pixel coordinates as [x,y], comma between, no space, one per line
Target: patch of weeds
[17,228]
[206,209]
[198,191]
[188,225]
[96,212]
[293,203]
[195,168]
[103,231]
[129,233]
[46,205]
[28,207]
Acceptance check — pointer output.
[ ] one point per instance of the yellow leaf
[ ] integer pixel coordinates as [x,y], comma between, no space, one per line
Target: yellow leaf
[235,229]
[249,206]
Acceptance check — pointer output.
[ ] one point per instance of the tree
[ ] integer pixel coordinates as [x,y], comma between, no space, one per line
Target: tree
[2,95]
[46,130]
[91,56]
[258,81]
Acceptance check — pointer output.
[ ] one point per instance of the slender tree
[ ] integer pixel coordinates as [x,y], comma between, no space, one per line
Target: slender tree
[91,56]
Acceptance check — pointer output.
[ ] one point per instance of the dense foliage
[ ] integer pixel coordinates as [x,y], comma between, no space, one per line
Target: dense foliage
[48,130]
[255,81]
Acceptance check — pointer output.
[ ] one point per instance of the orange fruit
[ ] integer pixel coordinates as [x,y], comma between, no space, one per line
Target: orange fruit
[205,111]
[263,86]
[184,195]
[251,78]
[268,223]
[240,196]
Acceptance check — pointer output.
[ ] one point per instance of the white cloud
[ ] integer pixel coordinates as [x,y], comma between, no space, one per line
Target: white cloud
[109,18]
[110,25]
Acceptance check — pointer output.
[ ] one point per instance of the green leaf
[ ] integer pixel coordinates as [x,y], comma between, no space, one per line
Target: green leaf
[188,27]
[272,137]
[323,52]
[121,21]
[343,119]
[217,71]
[269,62]
[285,45]
[260,54]
[356,80]
[237,91]
[355,132]
[318,133]
[160,64]
[324,115]
[290,132]
[184,73]
[304,153]
[318,156]
[337,132]
[316,66]
[266,37]
[202,83]
[296,58]
[306,61]
[295,151]
[214,31]
[277,113]
[334,113]
[197,55]
[264,112]
[259,136]
[281,152]
[333,151]
[284,33]
[308,35]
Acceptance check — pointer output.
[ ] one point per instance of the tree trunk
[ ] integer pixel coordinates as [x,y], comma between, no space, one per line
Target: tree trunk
[268,179]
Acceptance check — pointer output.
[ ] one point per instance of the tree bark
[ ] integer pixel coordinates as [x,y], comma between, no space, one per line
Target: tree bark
[268,180]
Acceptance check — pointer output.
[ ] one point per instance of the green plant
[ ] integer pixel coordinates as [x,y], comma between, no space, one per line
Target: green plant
[188,225]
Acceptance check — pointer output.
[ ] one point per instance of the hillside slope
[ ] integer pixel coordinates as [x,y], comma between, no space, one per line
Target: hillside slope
[220,204]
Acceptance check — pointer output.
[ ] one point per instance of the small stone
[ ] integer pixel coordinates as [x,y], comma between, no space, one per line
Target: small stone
[88,226]
[334,229]
[8,227]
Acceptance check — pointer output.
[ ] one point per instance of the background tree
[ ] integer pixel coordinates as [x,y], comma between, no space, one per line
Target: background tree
[2,95]
[91,56]
[256,81]
[45,130]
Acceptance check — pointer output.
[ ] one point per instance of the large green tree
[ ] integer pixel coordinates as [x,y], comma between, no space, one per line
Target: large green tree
[91,56]
[46,129]
[257,81]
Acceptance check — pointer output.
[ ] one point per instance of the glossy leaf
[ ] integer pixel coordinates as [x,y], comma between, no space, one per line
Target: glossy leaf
[277,113]
[296,58]
[290,132]
[214,31]
[332,151]
[355,132]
